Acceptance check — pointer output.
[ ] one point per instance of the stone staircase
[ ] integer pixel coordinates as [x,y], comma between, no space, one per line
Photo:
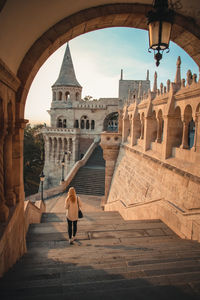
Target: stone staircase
[111,259]
[90,179]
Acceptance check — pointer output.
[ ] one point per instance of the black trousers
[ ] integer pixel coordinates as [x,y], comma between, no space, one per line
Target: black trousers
[70,225]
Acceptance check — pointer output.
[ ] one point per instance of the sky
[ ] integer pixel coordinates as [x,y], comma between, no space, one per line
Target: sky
[98,58]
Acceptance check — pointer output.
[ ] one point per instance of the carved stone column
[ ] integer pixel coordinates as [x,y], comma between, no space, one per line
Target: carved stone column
[159,130]
[8,169]
[4,211]
[110,143]
[196,146]
[184,144]
[75,149]
[18,160]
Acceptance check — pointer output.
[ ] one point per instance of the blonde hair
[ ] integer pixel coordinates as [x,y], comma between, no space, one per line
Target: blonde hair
[72,194]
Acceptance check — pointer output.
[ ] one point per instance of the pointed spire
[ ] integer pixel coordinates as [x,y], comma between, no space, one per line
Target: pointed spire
[121,75]
[67,75]
[155,83]
[178,72]
[147,75]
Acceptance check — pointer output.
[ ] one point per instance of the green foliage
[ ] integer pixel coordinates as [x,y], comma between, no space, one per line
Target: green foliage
[33,158]
[88,98]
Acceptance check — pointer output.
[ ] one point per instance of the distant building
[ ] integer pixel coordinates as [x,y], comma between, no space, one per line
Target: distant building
[76,123]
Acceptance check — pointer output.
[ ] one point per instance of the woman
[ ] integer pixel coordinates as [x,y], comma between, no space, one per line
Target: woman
[72,203]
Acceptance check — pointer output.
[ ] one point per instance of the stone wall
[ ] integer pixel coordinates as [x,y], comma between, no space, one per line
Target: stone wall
[139,178]
[84,145]
[12,240]
[144,187]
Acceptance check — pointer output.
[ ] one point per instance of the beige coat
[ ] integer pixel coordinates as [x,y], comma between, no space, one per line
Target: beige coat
[72,209]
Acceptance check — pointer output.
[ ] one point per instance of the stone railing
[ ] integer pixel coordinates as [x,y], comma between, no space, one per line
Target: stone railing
[61,188]
[185,223]
[79,164]
[60,130]
[33,212]
[110,143]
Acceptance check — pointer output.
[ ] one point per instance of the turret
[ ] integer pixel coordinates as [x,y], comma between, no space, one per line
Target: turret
[66,88]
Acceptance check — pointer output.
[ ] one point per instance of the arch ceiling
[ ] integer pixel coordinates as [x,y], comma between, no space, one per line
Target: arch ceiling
[34,29]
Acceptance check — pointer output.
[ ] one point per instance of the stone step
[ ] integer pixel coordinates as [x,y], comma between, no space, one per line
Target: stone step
[111,259]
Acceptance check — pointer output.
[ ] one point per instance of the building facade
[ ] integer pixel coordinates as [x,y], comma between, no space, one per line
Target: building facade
[76,123]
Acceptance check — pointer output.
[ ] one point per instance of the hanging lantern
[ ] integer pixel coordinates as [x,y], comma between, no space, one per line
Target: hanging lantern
[160,21]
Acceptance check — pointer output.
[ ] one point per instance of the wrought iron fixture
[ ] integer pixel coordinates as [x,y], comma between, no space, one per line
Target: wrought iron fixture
[160,21]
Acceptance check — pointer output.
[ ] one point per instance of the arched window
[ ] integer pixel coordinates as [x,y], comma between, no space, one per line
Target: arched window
[82,124]
[111,122]
[87,124]
[153,127]
[178,128]
[54,96]
[60,96]
[60,123]
[64,123]
[191,133]
[77,96]
[76,124]
[67,96]
[92,125]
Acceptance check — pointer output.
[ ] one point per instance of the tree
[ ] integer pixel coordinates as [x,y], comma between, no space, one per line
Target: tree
[33,158]
[88,98]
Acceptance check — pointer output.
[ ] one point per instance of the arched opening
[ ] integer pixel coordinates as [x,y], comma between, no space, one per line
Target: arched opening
[92,125]
[111,122]
[47,43]
[177,128]
[76,125]
[67,96]
[77,96]
[191,133]
[153,127]
[64,123]
[137,125]
[60,96]
[59,123]
[188,128]
[87,124]
[160,127]
[84,122]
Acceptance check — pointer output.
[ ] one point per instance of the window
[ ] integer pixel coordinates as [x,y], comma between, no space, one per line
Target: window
[92,125]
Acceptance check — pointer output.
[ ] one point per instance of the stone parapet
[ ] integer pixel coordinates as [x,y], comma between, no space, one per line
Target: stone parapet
[110,143]
[53,130]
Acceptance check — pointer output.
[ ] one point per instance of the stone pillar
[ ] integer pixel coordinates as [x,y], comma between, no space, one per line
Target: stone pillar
[147,133]
[4,211]
[125,129]
[159,130]
[120,121]
[74,150]
[110,154]
[8,168]
[196,146]
[18,160]
[197,133]
[110,143]
[184,144]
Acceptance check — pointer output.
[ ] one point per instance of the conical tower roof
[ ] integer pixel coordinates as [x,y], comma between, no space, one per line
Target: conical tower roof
[67,75]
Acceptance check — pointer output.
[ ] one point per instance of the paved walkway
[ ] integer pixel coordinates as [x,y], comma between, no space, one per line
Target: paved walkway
[112,259]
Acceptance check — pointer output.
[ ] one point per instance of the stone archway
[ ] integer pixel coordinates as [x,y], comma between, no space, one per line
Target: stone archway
[185,33]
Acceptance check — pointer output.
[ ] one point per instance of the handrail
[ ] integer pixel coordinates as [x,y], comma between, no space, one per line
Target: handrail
[183,212]
[80,163]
